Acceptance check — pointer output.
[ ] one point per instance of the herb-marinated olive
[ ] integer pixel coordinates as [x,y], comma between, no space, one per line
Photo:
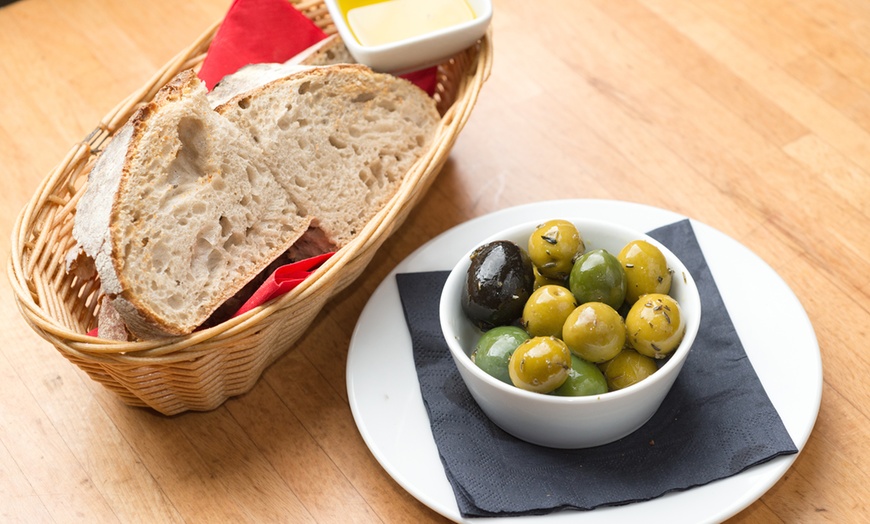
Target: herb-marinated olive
[597,276]
[655,325]
[540,364]
[594,331]
[584,378]
[627,368]
[646,270]
[546,310]
[494,350]
[553,246]
[498,283]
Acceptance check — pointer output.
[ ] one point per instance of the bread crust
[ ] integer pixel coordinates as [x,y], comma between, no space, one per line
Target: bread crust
[138,315]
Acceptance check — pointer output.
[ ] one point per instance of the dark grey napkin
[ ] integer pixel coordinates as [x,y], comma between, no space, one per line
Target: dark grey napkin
[716,422]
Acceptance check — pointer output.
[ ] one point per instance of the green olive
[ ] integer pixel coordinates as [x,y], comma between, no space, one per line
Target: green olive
[627,368]
[494,349]
[553,246]
[655,325]
[546,310]
[646,270]
[540,364]
[584,378]
[597,276]
[594,331]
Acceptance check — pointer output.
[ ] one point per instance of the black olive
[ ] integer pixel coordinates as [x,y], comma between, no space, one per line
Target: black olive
[498,284]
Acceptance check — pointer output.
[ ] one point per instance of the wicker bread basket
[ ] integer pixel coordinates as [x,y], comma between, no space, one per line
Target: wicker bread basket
[200,371]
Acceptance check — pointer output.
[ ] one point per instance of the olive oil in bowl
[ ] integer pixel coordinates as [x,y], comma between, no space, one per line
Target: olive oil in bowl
[376,23]
[399,36]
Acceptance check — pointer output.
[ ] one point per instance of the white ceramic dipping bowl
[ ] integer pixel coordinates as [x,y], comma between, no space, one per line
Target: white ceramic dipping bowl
[567,422]
[417,52]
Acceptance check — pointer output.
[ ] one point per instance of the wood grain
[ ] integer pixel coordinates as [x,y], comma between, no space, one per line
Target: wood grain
[752,116]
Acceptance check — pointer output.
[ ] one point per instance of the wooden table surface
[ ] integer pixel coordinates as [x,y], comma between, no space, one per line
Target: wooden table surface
[752,116]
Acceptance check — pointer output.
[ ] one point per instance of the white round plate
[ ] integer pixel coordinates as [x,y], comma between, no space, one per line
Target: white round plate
[387,405]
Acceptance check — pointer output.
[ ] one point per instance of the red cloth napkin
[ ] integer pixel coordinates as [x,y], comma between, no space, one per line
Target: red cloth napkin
[257,31]
[283,280]
[425,79]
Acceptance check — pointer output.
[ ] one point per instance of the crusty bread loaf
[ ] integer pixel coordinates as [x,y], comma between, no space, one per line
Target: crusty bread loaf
[188,203]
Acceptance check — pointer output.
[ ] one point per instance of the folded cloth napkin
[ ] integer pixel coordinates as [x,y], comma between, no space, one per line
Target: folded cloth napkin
[716,422]
[282,280]
[257,31]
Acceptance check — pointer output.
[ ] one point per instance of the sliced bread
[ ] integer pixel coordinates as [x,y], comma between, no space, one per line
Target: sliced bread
[189,202]
[180,211]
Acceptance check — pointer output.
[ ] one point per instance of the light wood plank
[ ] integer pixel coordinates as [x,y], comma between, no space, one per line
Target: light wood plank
[749,64]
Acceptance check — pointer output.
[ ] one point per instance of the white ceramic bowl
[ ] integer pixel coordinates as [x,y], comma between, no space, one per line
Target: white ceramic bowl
[568,422]
[419,52]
